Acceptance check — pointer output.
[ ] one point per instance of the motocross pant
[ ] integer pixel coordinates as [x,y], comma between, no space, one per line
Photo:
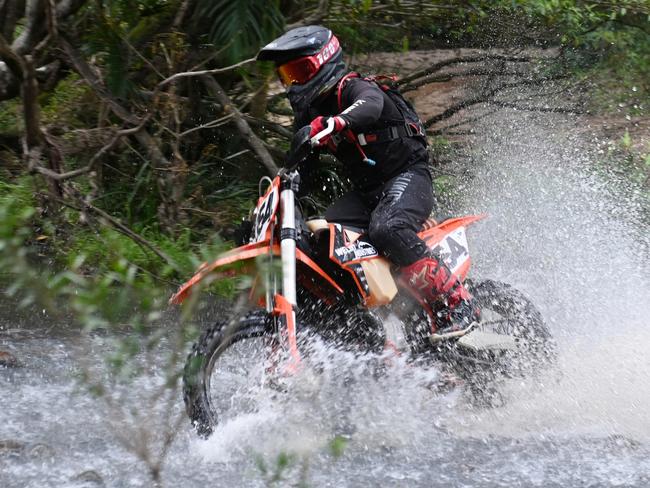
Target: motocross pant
[392,217]
[392,214]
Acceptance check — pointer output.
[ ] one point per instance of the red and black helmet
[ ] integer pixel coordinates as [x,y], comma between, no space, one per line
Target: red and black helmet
[309,61]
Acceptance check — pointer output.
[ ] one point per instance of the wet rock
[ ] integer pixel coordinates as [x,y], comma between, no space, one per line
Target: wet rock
[10,446]
[8,360]
[89,477]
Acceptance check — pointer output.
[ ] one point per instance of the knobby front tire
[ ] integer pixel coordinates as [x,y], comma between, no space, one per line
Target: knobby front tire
[202,383]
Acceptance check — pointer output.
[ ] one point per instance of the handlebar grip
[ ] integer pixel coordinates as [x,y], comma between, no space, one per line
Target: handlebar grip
[314,141]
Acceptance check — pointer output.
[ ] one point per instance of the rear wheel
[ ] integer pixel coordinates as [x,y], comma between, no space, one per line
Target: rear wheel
[507,311]
[226,370]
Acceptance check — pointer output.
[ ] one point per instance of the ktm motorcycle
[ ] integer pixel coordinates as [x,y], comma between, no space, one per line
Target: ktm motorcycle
[318,278]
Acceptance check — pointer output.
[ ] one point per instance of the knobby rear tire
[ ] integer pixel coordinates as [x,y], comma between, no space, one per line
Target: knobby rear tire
[200,363]
[522,320]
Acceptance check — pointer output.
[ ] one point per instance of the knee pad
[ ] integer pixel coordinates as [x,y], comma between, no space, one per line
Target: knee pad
[381,234]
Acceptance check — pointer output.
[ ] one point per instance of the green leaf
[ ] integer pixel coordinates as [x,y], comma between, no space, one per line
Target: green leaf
[405,44]
[626,140]
[337,446]
[240,28]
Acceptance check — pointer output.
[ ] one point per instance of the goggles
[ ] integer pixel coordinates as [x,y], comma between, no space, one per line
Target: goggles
[301,70]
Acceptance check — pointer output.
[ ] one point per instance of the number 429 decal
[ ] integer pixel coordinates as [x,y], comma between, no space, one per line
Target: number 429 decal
[263,213]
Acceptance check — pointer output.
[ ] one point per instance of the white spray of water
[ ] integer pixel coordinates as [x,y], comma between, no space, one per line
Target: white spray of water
[571,238]
[343,397]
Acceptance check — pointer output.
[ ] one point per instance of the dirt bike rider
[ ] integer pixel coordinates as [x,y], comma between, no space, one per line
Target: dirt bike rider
[386,158]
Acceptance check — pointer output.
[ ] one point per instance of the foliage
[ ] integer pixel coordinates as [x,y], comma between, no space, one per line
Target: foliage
[607,42]
[70,260]
[118,298]
[289,469]
[239,28]
[611,40]
[18,197]
[117,29]
[627,164]
[10,118]
[212,173]
[67,104]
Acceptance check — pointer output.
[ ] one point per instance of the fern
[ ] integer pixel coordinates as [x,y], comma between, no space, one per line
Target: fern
[241,27]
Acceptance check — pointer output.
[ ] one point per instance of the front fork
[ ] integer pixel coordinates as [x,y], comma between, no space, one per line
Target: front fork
[284,305]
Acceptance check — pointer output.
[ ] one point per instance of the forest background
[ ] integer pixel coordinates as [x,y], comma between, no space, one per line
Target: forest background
[138,130]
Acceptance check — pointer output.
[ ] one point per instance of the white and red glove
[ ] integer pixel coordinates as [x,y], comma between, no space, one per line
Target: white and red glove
[319,124]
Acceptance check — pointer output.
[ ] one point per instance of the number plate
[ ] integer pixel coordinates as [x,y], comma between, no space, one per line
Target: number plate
[264,212]
[453,249]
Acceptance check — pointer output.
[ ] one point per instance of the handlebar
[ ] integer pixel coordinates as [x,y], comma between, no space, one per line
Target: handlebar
[314,141]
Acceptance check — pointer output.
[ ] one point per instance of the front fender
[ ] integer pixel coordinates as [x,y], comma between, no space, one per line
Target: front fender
[245,253]
[242,253]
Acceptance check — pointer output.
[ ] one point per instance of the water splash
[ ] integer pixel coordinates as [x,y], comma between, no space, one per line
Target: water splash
[376,400]
[570,235]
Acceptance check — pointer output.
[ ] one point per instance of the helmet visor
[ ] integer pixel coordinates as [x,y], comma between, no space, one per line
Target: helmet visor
[298,71]
[301,70]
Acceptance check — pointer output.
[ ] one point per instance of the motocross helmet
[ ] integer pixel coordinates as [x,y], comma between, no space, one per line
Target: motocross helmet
[309,61]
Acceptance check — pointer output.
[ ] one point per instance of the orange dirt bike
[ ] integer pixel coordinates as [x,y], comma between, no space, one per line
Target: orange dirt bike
[319,278]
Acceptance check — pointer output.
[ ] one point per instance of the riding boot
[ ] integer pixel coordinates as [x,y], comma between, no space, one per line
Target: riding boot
[453,305]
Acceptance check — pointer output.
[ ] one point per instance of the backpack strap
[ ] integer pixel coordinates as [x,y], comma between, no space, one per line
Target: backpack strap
[384,81]
[408,129]
[342,82]
[377,79]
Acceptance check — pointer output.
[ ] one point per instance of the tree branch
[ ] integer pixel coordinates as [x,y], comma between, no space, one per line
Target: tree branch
[279,129]
[91,164]
[515,106]
[441,78]
[188,74]
[182,12]
[464,59]
[11,59]
[86,72]
[445,129]
[209,125]
[10,13]
[166,170]
[119,226]
[256,144]
[36,27]
[482,98]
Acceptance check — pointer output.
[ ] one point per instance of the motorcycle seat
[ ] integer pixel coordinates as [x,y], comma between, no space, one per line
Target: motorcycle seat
[316,225]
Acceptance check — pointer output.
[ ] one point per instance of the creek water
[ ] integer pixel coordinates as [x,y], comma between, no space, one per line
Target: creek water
[561,229]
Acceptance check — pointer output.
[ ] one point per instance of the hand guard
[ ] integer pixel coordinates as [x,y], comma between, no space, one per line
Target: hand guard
[320,123]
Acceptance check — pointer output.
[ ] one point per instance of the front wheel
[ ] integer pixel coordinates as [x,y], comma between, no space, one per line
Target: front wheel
[226,370]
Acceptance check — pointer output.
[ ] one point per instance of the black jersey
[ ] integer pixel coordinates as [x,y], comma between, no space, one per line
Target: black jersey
[366,109]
